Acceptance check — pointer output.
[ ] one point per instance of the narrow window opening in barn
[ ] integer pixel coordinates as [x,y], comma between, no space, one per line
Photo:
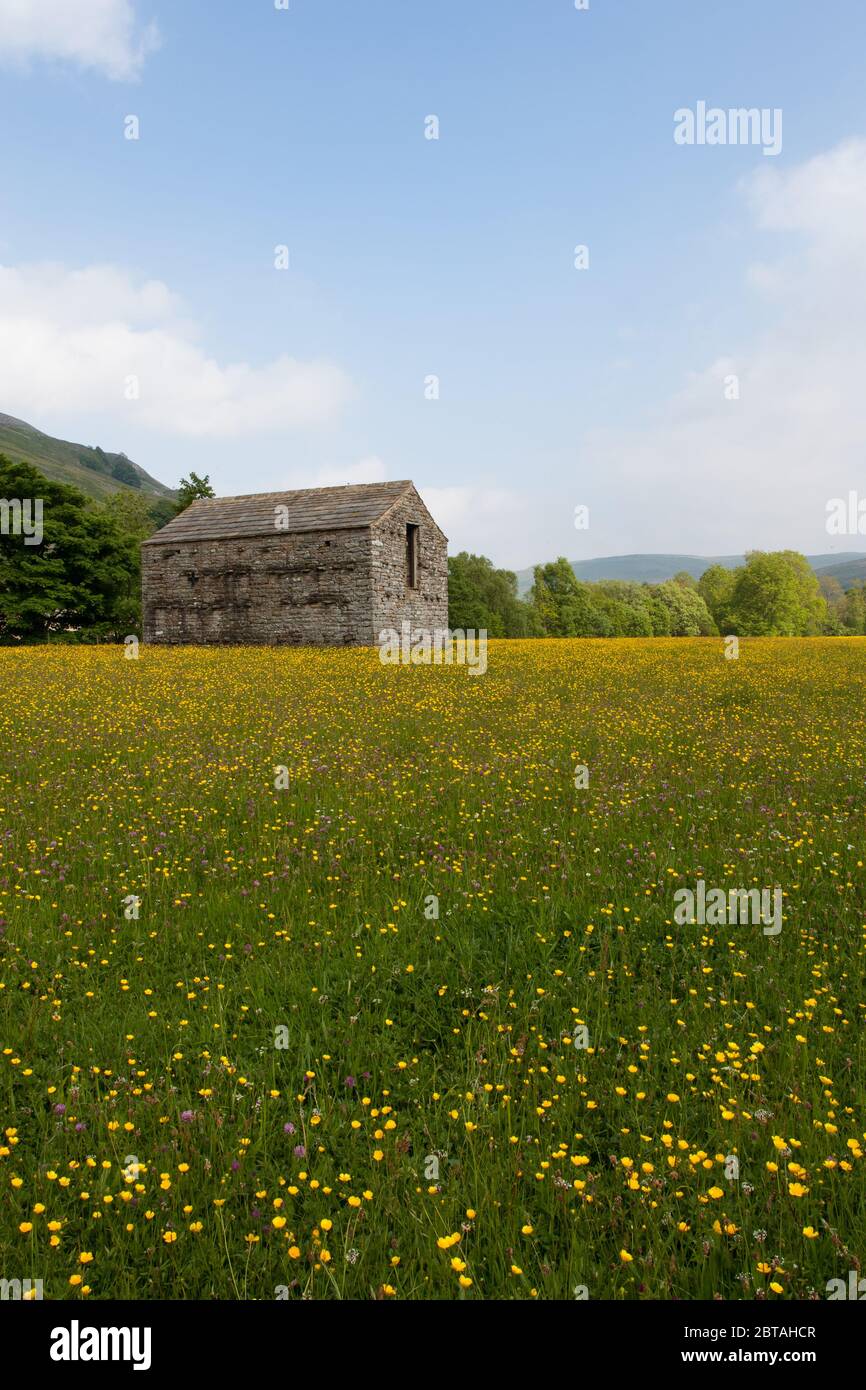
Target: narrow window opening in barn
[412,534]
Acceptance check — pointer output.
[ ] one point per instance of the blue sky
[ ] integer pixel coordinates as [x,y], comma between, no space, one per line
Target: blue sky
[153,259]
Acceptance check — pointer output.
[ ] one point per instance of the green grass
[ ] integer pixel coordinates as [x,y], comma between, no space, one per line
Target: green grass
[309,909]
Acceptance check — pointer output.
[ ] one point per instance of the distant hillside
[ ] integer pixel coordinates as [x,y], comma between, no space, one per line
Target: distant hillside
[846,571]
[90,469]
[846,566]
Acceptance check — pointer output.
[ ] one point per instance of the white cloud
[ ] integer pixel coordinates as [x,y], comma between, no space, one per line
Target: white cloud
[94,295]
[367,470]
[716,474]
[510,526]
[72,341]
[824,197]
[103,34]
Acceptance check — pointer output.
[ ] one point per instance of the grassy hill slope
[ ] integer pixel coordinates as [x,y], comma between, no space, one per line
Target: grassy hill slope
[848,571]
[90,469]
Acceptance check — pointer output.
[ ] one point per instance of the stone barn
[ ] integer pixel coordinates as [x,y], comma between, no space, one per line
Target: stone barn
[329,566]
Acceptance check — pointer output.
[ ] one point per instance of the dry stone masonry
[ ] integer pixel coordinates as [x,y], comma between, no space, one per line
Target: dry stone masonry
[321,566]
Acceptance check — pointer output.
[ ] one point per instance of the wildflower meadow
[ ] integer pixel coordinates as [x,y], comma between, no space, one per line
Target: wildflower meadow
[327,978]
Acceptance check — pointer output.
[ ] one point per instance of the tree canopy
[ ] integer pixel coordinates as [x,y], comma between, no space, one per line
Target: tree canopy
[777,594]
[190,489]
[83,575]
[481,597]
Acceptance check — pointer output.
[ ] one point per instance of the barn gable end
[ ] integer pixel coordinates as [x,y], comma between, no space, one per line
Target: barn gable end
[425,603]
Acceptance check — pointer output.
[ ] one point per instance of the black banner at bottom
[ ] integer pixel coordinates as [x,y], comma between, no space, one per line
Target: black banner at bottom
[62,1339]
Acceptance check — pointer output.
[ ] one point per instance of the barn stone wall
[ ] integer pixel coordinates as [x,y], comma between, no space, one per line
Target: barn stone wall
[306,588]
[393,602]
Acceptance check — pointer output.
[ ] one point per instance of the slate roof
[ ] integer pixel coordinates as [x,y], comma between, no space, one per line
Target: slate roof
[309,509]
